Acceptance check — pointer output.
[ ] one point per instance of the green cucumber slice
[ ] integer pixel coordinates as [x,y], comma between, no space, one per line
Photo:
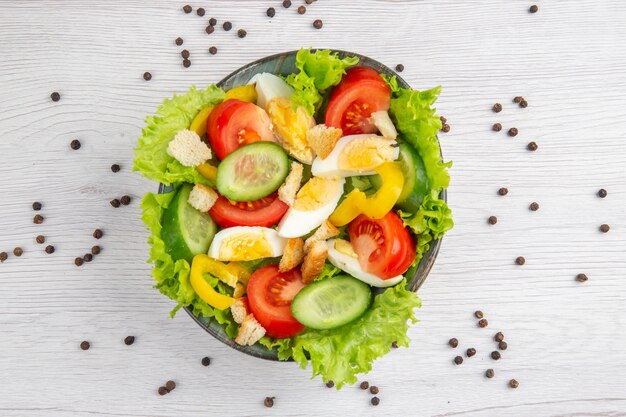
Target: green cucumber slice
[186,231]
[252,172]
[331,302]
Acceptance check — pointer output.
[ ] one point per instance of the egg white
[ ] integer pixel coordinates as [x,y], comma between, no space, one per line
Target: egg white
[276,242]
[269,86]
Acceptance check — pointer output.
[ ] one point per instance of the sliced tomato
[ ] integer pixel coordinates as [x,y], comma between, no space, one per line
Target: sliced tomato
[361,92]
[384,246]
[264,212]
[270,293]
[234,123]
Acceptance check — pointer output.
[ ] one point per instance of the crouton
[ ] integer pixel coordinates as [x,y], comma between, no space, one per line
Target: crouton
[202,198]
[188,149]
[314,261]
[250,331]
[239,310]
[383,123]
[287,192]
[324,232]
[293,254]
[323,139]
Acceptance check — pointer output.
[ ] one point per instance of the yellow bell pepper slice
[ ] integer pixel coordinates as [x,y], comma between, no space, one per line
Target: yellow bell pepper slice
[243,93]
[378,204]
[199,122]
[207,170]
[229,274]
[201,264]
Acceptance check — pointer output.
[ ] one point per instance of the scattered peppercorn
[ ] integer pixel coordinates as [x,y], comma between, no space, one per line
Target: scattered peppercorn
[478,314]
[503,345]
[38,219]
[458,360]
[36,206]
[499,337]
[492,220]
[227,26]
[186,63]
[287,4]
[495,355]
[210,29]
[187,8]
[55,96]
[483,323]
[308,1]
[394,344]
[271,12]
[364,385]
[375,401]
[212,21]
[523,104]
[18,251]
[301,10]
[496,127]
[75,144]
[520,260]
[602,193]
[49,249]
[95,250]
[497,108]
[88,257]
[40,239]
[534,8]
[147,76]
[242,33]
[3,256]
[162,390]
[512,132]
[445,128]
[317,23]
[125,200]
[115,202]
[399,67]
[129,340]
[470,352]
[513,383]
[604,228]
[213,50]
[115,168]
[518,99]
[85,345]
[184,53]
[534,206]
[582,277]
[170,385]
[489,373]
[78,261]
[269,402]
[206,361]
[374,390]
[443,119]
[179,41]
[532,146]
[98,233]
[503,191]
[454,342]
[330,384]
[200,11]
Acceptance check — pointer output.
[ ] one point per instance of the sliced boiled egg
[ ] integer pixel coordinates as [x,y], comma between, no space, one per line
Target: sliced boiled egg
[291,125]
[356,155]
[269,86]
[383,123]
[246,243]
[341,255]
[314,203]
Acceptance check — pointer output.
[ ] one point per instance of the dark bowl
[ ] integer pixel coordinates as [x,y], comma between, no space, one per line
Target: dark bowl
[284,63]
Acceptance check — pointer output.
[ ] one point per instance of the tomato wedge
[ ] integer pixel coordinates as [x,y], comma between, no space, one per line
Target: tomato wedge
[270,293]
[384,246]
[361,92]
[264,212]
[234,123]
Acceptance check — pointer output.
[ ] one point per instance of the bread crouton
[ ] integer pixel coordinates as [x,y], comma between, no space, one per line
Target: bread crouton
[287,192]
[250,331]
[324,232]
[202,198]
[239,310]
[314,261]
[323,139]
[293,254]
[188,149]
[383,123]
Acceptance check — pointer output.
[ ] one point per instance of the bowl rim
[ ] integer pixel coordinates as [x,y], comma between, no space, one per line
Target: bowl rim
[429,257]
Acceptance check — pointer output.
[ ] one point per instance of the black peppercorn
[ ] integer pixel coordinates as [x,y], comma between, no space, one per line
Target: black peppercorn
[523,104]
[399,67]
[443,119]
[533,9]
[129,340]
[40,239]
[445,128]
[186,63]
[492,220]
[374,390]
[458,360]
[187,8]
[212,21]
[55,96]
[38,219]
[213,50]
[364,385]
[206,361]
[513,383]
[75,144]
[18,251]
[503,345]
[3,256]
[512,132]
[470,352]
[36,206]
[85,345]
[483,323]
[49,249]
[497,108]
[162,390]
[78,261]
[496,127]
[499,337]
[495,355]
[520,260]
[227,26]
[210,29]
[534,206]
[317,23]
[98,233]
[582,277]
[184,53]
[95,250]
[518,99]
[115,202]
[271,12]
[602,193]
[330,384]
[170,385]
[605,228]
[532,146]
[146,76]
[269,402]
[489,373]
[88,257]
[375,401]
[478,314]
[179,41]
[454,342]
[125,200]
[242,33]
[287,4]
[301,10]
[503,191]
[115,168]
[200,11]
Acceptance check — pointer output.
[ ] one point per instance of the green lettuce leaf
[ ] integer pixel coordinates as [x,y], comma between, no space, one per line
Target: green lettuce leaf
[392,82]
[151,158]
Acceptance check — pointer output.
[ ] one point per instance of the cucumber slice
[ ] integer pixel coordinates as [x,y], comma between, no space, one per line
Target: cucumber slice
[415,179]
[331,302]
[252,172]
[186,231]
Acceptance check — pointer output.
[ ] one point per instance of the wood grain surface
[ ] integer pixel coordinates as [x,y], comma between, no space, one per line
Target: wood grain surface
[567,343]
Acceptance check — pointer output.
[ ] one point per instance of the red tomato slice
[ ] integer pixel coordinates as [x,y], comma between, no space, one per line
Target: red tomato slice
[384,246]
[234,123]
[361,92]
[270,293]
[264,212]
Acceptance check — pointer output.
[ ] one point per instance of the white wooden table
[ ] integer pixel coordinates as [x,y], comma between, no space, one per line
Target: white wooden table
[567,343]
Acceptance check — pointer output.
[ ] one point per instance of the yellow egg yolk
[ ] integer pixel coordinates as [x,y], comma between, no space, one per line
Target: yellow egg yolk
[245,247]
[365,154]
[316,193]
[345,247]
[291,126]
